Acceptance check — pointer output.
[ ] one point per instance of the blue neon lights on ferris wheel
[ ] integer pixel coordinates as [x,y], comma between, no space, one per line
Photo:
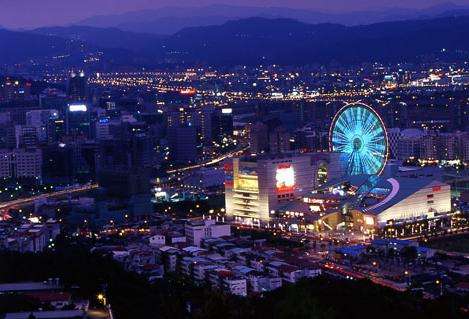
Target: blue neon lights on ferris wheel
[359,134]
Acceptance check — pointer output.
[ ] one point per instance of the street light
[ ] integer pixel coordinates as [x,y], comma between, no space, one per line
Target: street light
[407,273]
[102,298]
[440,282]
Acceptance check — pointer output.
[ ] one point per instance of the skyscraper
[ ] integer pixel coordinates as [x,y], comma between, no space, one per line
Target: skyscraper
[78,120]
[77,86]
[222,124]
[183,143]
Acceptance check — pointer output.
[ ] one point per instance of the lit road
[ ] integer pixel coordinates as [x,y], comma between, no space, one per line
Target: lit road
[211,162]
[344,271]
[28,200]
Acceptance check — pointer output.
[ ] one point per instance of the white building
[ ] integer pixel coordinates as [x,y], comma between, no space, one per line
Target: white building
[259,185]
[21,163]
[27,163]
[260,283]
[208,228]
[235,285]
[157,240]
[411,197]
[409,143]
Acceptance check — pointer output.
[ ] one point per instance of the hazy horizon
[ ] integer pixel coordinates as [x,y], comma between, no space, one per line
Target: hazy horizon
[26,14]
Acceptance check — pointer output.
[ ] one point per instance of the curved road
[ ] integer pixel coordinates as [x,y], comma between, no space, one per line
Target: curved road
[28,200]
[211,162]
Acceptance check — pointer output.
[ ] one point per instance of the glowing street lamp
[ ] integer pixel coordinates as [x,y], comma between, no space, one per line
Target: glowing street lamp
[440,282]
[102,298]
[407,273]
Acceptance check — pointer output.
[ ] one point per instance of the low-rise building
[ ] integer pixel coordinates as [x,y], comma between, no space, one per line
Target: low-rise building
[198,230]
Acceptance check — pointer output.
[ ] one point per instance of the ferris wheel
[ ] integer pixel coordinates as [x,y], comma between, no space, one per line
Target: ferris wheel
[359,134]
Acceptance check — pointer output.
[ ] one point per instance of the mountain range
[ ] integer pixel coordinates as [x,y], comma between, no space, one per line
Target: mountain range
[248,41]
[169,20]
[286,41]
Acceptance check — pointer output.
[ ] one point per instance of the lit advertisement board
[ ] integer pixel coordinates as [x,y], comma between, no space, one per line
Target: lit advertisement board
[247,171]
[285,178]
[77,108]
[228,168]
[247,183]
[246,179]
[104,120]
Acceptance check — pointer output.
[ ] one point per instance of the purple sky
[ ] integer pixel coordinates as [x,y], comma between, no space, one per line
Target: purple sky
[34,13]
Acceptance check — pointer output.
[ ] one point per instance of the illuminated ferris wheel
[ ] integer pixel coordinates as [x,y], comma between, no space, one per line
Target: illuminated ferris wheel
[359,134]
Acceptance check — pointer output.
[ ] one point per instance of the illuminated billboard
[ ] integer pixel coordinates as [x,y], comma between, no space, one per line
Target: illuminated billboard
[77,107]
[285,178]
[247,183]
[228,168]
[245,178]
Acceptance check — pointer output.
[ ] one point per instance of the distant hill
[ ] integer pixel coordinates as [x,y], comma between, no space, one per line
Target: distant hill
[285,41]
[20,46]
[169,20]
[248,42]
[104,37]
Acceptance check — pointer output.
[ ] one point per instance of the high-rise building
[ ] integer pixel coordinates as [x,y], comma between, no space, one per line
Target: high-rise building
[83,160]
[40,118]
[279,140]
[182,142]
[78,120]
[204,119]
[57,163]
[26,136]
[55,130]
[21,163]
[27,163]
[465,146]
[259,138]
[141,147]
[222,124]
[77,86]
[124,183]
[428,147]
[6,168]
[394,135]
[120,172]
[448,146]
[409,144]
[103,129]
[181,116]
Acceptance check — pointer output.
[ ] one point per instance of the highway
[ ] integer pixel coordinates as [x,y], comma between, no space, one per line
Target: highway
[25,201]
[211,162]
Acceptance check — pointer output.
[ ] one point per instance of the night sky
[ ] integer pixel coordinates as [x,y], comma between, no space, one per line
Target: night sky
[34,13]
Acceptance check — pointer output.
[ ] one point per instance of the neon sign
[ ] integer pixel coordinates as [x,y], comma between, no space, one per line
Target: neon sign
[285,178]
